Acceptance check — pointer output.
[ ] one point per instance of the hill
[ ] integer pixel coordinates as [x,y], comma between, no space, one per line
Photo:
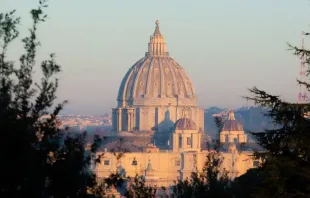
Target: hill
[252,119]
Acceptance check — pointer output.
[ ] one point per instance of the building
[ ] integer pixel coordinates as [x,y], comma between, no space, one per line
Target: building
[157,96]
[154,92]
[232,131]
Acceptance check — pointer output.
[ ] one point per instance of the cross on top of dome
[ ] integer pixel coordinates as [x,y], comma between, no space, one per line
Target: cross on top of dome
[157,31]
[157,23]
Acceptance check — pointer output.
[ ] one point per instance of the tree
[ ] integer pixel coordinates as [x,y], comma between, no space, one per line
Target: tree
[139,189]
[37,158]
[211,182]
[285,169]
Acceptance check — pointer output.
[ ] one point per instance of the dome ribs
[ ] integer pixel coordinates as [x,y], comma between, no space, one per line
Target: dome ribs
[162,77]
[122,93]
[147,83]
[134,90]
[156,80]
[173,84]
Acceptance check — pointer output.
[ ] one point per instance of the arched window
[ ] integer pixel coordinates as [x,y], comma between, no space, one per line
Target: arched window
[180,142]
[106,162]
[189,141]
[134,162]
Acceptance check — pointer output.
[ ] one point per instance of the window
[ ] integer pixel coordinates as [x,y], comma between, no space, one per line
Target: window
[256,163]
[180,142]
[177,162]
[134,162]
[189,141]
[106,162]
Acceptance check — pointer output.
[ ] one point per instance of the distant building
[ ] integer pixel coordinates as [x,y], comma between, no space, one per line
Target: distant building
[156,99]
[232,131]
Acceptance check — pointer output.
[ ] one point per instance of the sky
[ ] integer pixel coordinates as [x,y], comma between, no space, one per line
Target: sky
[225,46]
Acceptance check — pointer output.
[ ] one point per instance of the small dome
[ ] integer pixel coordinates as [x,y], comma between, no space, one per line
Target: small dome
[185,124]
[232,124]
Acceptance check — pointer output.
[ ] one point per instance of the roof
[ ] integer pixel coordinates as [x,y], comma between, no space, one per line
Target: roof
[121,146]
[185,124]
[232,124]
[156,75]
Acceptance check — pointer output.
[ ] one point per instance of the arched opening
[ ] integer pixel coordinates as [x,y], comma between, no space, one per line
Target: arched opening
[180,142]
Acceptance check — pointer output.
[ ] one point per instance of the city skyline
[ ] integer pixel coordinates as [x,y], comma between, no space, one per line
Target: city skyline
[95,56]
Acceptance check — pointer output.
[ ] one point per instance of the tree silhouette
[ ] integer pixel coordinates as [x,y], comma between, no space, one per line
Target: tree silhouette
[139,189]
[285,169]
[37,158]
[210,182]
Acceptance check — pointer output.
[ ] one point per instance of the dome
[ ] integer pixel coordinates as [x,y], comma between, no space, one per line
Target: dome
[232,124]
[185,124]
[155,76]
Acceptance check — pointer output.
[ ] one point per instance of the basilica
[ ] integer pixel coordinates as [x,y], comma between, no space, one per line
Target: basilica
[158,127]
[155,92]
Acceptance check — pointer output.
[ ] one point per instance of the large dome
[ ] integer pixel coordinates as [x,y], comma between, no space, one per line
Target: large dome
[155,76]
[155,93]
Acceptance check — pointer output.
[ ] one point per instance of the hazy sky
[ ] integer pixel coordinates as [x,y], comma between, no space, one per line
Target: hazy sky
[225,46]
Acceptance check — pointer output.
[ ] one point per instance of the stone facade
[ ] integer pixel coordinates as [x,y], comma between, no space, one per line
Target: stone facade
[157,96]
[164,167]
[168,166]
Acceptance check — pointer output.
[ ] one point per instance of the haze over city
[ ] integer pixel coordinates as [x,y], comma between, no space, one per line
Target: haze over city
[225,47]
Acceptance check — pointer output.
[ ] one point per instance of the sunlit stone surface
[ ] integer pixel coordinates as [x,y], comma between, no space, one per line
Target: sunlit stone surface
[156,99]
[154,92]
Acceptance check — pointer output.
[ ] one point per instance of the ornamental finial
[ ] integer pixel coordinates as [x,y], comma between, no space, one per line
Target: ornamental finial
[157,23]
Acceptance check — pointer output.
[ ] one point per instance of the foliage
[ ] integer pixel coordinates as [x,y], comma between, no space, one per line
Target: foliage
[211,182]
[38,158]
[139,189]
[244,185]
[285,171]
[208,183]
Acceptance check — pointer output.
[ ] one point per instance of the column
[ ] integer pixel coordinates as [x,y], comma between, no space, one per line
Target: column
[130,113]
[222,138]
[128,119]
[132,118]
[199,140]
[184,142]
[175,140]
[119,120]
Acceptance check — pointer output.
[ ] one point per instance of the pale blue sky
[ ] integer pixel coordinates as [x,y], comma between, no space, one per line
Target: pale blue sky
[226,46]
